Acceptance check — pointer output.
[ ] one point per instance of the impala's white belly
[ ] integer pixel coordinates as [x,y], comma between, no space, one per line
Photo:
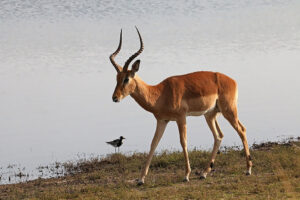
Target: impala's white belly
[196,113]
[199,113]
[201,105]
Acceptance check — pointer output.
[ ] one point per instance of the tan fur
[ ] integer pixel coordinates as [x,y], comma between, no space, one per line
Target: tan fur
[199,93]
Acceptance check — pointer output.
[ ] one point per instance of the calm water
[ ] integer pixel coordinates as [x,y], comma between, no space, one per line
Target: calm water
[56,80]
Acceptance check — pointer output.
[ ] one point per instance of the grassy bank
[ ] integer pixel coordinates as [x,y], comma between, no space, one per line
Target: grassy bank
[276,175]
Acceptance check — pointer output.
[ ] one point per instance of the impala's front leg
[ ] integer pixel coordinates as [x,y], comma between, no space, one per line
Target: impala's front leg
[182,132]
[160,128]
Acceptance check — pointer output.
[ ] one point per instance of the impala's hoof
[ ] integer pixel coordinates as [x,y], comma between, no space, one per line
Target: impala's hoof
[248,173]
[203,175]
[140,182]
[186,179]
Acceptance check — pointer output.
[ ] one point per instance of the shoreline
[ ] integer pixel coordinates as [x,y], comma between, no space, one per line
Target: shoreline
[59,169]
[276,174]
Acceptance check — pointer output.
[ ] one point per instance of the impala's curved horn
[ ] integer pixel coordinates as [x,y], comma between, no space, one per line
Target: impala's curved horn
[136,54]
[112,56]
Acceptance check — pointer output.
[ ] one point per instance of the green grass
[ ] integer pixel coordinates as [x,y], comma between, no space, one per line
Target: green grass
[276,175]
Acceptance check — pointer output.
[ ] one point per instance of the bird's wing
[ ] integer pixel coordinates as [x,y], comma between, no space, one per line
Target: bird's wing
[115,141]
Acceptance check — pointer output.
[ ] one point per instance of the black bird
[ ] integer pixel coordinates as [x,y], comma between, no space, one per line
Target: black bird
[116,143]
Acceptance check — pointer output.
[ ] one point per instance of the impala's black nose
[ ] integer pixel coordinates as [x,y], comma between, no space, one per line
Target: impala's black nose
[115,99]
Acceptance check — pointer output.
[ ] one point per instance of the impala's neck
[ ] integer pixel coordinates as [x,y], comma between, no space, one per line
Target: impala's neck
[146,95]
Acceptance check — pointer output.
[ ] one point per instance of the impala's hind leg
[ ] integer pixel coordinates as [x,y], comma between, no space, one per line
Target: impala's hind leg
[218,135]
[241,130]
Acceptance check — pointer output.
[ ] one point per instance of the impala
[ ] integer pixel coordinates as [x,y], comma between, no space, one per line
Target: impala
[194,94]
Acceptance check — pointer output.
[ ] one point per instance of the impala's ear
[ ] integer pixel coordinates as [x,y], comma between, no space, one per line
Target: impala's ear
[135,66]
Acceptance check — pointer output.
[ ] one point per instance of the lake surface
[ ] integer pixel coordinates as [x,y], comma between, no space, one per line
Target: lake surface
[56,80]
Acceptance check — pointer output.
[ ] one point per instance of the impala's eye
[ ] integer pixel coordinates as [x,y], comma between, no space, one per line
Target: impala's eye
[125,80]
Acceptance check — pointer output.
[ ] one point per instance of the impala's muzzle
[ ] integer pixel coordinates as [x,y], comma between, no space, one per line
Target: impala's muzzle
[115,99]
